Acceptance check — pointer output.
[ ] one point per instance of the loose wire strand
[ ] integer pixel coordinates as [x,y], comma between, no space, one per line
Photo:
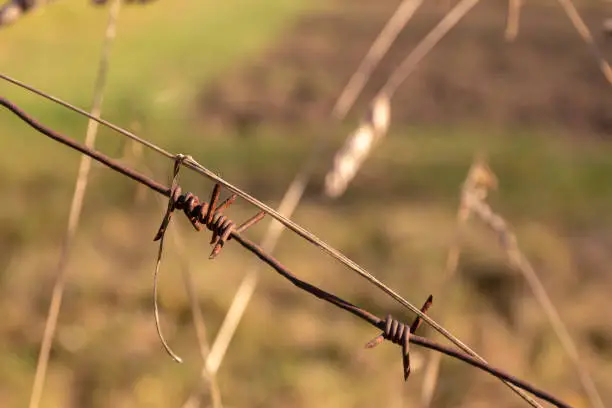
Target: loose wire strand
[161,234]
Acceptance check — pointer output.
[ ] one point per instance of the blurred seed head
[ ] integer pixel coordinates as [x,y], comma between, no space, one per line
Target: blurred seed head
[358,146]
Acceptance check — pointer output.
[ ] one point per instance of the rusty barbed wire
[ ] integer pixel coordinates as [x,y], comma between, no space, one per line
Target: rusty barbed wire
[191,164]
[210,215]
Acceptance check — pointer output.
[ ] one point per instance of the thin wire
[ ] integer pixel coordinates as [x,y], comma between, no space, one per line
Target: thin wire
[83,112]
[161,235]
[160,334]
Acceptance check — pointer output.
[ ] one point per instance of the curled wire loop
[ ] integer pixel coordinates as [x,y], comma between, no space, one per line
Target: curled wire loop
[399,333]
[200,214]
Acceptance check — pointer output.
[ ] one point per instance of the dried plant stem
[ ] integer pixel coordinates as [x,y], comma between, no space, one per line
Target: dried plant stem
[452,261]
[426,45]
[586,35]
[375,54]
[75,212]
[400,74]
[294,192]
[516,257]
[430,380]
[514,15]
[133,152]
[373,128]
[478,178]
[479,181]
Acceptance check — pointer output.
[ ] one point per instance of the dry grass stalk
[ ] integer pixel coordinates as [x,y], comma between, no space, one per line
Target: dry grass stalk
[375,54]
[75,212]
[478,206]
[586,35]
[358,146]
[198,319]
[360,143]
[479,180]
[450,20]
[296,189]
[607,26]
[133,152]
[514,16]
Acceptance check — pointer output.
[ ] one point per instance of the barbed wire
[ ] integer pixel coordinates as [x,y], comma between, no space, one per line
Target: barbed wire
[209,214]
[190,163]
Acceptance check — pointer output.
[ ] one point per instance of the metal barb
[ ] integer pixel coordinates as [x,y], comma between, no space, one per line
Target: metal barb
[201,214]
[417,320]
[399,333]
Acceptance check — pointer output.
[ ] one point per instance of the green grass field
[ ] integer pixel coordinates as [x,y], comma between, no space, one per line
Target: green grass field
[291,350]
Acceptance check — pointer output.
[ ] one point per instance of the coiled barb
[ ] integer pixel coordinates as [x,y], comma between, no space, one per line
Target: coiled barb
[399,333]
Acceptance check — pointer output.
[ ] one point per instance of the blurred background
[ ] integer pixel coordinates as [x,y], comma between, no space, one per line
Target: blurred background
[246,87]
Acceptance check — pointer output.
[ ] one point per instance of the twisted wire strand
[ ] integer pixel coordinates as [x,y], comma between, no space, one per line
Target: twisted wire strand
[161,233]
[208,219]
[399,333]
